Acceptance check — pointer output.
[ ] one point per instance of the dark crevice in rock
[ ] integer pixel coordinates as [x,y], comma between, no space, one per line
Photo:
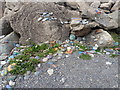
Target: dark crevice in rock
[115,30]
[7,28]
[18,34]
[97,27]
[67,6]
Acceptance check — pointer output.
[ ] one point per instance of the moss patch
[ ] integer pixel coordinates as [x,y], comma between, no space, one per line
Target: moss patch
[24,63]
[85,57]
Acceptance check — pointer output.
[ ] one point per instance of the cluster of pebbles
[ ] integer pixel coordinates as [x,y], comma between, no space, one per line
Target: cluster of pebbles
[67,48]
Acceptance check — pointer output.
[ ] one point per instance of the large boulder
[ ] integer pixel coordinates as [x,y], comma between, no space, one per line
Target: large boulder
[116,6]
[82,27]
[100,37]
[14,6]
[107,6]
[95,4]
[2,7]
[1,11]
[98,16]
[32,23]
[115,15]
[7,43]
[5,27]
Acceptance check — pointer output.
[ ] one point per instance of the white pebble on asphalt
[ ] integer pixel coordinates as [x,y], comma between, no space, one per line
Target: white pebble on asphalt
[50,71]
[3,62]
[108,63]
[11,83]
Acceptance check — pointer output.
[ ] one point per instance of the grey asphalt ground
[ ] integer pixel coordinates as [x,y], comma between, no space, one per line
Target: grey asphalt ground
[72,72]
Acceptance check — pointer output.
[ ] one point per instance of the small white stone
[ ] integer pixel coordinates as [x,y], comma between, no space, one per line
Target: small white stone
[81,42]
[2,36]
[95,48]
[101,42]
[92,55]
[54,60]
[55,54]
[78,57]
[59,58]
[93,37]
[50,71]
[68,48]
[107,53]
[62,80]
[39,65]
[45,59]
[21,50]
[3,62]
[96,45]
[40,18]
[108,63]
[104,51]
[67,56]
[11,83]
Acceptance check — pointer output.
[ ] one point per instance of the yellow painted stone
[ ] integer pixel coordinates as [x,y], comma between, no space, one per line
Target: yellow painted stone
[10,66]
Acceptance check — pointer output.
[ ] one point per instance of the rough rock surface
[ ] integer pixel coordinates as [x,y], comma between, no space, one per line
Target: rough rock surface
[2,7]
[26,23]
[116,6]
[7,43]
[95,4]
[1,12]
[115,15]
[81,30]
[14,6]
[100,37]
[101,18]
[107,6]
[5,27]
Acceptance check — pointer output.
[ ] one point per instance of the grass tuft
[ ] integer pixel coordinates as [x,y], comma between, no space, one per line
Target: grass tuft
[85,57]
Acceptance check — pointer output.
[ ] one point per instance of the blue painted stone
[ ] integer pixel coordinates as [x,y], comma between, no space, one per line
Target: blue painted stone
[71,42]
[109,50]
[116,43]
[37,57]
[50,63]
[8,87]
[11,57]
[80,52]
[49,56]
[31,45]
[1,67]
[15,53]
[17,45]
[72,37]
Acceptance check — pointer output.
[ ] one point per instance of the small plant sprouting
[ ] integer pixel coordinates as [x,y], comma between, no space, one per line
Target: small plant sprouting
[85,57]
[114,55]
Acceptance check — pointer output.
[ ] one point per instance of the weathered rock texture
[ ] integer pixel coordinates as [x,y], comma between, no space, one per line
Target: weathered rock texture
[100,37]
[5,27]
[25,22]
[101,18]
[7,43]
[2,7]
[116,6]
